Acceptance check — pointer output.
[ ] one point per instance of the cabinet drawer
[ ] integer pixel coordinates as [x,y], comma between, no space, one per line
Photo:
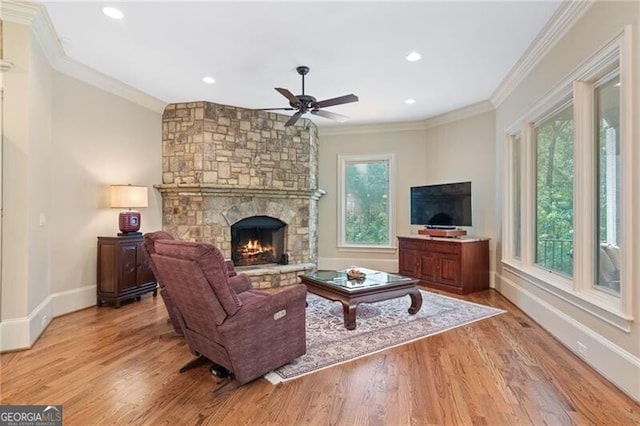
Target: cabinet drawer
[413,244]
[453,248]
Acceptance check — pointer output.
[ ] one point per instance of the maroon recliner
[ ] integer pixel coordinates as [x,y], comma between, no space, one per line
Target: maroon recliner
[240,283]
[248,333]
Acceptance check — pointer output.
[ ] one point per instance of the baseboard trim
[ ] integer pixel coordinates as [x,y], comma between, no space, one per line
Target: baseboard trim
[73,300]
[611,361]
[21,333]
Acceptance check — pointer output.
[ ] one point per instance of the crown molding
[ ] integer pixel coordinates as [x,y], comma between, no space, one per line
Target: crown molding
[81,72]
[19,12]
[459,114]
[36,17]
[562,20]
[356,129]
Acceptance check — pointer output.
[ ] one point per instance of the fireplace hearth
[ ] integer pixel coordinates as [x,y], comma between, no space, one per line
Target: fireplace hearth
[258,240]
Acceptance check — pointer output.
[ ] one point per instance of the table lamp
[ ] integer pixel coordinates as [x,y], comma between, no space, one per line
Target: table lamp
[129,196]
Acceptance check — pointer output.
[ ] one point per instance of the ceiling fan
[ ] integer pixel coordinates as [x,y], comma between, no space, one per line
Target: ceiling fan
[306,103]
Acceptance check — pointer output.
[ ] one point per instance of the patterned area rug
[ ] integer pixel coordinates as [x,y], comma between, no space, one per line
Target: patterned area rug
[379,326]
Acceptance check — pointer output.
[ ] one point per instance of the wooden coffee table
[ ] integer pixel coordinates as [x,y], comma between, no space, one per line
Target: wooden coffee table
[375,287]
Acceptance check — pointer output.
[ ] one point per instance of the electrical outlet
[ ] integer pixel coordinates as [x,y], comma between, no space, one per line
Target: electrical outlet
[582,350]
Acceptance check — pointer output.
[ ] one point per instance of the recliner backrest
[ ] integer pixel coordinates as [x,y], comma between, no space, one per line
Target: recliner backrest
[213,266]
[149,246]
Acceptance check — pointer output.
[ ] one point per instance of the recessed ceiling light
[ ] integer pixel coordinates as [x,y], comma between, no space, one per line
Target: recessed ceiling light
[209,80]
[413,56]
[112,12]
[410,101]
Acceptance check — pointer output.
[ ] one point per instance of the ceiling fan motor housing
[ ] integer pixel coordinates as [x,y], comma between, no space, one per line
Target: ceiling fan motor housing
[305,102]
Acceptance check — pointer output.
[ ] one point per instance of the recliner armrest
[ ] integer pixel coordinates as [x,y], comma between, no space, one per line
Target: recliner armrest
[240,283]
[264,307]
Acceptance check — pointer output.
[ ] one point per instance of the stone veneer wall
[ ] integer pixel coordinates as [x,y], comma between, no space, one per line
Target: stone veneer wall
[222,164]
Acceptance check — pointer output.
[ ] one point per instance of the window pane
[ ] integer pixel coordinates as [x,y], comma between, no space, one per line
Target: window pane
[554,193]
[517,209]
[607,105]
[366,203]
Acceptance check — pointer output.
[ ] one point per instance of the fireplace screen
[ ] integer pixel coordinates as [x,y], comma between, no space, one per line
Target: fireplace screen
[258,240]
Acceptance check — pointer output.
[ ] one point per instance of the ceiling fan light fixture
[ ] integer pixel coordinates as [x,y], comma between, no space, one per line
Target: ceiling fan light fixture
[112,12]
[208,79]
[413,56]
[410,101]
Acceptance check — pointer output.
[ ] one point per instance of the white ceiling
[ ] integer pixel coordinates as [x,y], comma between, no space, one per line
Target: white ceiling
[165,49]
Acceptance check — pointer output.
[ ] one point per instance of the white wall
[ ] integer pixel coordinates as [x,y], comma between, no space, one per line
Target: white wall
[99,140]
[16,148]
[431,152]
[464,151]
[65,143]
[407,143]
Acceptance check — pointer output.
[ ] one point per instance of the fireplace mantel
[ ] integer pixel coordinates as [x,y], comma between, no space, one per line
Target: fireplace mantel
[211,189]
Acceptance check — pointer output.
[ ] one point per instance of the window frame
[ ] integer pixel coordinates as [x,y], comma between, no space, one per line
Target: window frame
[511,191]
[343,161]
[581,290]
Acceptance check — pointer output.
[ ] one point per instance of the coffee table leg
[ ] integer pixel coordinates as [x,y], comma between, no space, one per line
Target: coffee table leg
[349,311]
[416,301]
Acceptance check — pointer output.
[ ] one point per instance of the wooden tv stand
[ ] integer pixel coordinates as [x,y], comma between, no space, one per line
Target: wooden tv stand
[456,265]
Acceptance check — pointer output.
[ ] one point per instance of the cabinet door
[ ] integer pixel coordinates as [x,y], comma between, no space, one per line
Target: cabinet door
[144,271]
[449,268]
[107,272]
[409,263]
[128,266]
[429,266]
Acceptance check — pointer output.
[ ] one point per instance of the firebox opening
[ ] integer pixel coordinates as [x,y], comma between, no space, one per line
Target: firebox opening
[258,240]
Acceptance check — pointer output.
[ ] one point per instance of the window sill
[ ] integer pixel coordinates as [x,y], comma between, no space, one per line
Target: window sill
[597,303]
[365,249]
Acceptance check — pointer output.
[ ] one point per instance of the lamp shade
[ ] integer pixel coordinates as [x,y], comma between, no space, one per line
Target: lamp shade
[128,196]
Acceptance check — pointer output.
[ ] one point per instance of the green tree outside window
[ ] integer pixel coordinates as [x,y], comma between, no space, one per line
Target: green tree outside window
[367,203]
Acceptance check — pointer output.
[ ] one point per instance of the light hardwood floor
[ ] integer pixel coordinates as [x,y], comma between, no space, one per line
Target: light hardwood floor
[117,366]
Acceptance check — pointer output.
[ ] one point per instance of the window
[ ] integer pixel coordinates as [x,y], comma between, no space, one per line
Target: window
[554,192]
[570,188]
[366,218]
[607,140]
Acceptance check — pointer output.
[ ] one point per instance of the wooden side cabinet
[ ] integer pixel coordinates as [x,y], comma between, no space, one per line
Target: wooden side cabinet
[123,270]
[451,264]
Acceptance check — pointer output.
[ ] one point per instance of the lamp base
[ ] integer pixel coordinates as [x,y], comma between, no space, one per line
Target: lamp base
[129,222]
[129,234]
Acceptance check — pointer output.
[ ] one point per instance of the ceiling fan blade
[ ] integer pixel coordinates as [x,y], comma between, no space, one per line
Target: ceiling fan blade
[330,115]
[274,109]
[293,119]
[287,94]
[336,101]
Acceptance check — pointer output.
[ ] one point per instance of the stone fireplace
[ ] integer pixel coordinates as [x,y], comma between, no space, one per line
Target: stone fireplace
[230,174]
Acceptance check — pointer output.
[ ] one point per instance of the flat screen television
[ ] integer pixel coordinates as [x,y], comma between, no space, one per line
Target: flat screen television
[441,206]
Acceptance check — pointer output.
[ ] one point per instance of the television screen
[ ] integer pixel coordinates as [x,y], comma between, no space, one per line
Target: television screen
[441,206]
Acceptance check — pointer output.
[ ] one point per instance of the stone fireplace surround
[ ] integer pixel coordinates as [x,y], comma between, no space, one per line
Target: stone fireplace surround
[222,164]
